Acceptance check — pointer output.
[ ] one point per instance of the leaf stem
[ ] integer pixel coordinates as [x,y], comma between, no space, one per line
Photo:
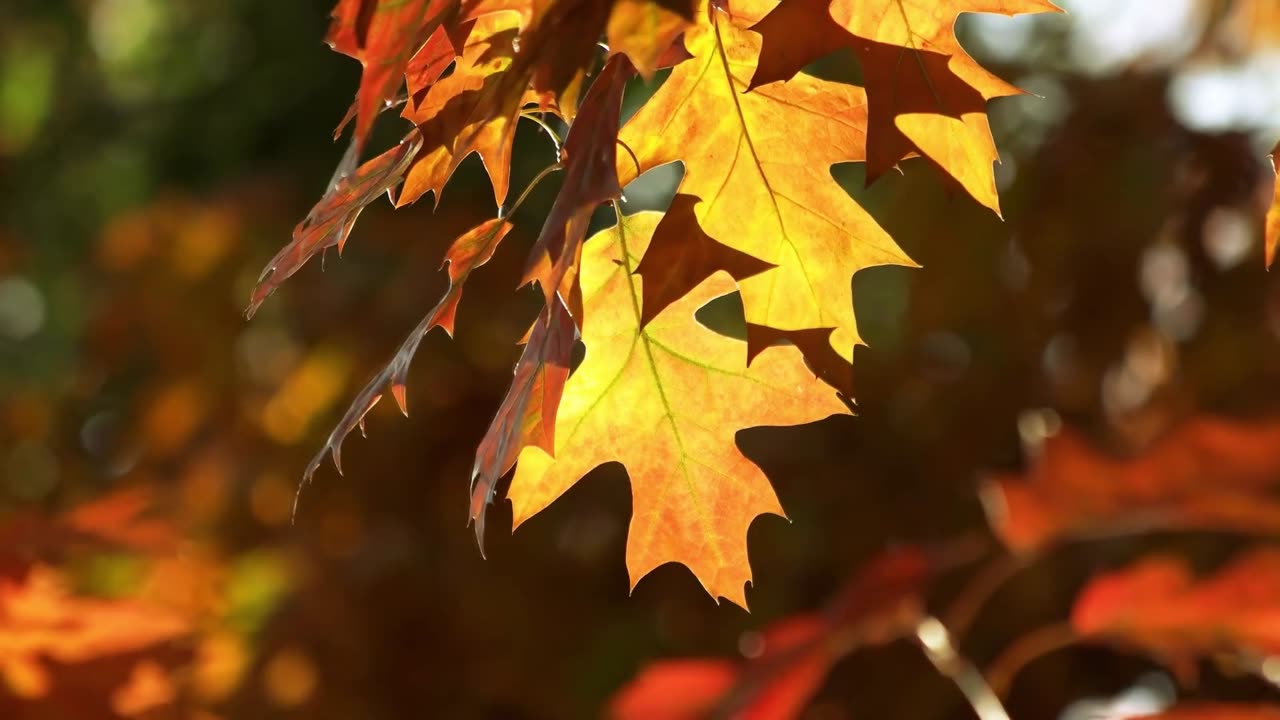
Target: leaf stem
[1027,649]
[966,607]
[936,643]
[555,139]
[528,189]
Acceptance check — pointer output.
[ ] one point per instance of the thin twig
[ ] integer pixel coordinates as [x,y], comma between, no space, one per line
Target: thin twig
[936,643]
[1027,649]
[969,603]
[555,139]
[528,189]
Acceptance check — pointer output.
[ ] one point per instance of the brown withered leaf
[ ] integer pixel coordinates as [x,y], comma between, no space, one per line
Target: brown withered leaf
[527,415]
[383,35]
[471,250]
[329,223]
[589,157]
[1207,473]
[681,256]
[1158,606]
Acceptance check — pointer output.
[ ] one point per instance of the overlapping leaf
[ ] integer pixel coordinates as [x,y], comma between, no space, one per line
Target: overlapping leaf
[1157,605]
[468,111]
[1208,473]
[384,35]
[926,95]
[685,392]
[760,162]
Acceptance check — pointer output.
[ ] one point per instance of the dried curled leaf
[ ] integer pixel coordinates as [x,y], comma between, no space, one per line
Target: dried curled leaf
[471,250]
[329,223]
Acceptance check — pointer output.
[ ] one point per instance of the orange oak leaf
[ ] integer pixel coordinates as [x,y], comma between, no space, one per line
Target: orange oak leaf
[383,35]
[467,112]
[42,622]
[666,401]
[1272,228]
[645,29]
[792,658]
[527,415]
[1215,711]
[124,517]
[329,223]
[471,250]
[926,95]
[760,162]
[1157,605]
[1208,473]
[441,49]
[589,157]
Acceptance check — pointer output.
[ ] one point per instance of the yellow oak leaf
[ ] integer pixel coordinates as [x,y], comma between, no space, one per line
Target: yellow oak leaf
[926,95]
[666,402]
[761,163]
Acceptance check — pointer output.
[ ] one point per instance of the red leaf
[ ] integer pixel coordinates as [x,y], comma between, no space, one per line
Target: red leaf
[383,35]
[1207,473]
[1158,606]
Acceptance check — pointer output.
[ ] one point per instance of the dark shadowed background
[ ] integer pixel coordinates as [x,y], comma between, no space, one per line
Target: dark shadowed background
[154,154]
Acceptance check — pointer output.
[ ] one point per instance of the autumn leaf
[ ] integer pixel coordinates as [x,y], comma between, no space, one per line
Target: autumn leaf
[1214,711]
[467,112]
[645,29]
[761,164]
[527,415]
[329,223]
[681,256]
[881,602]
[1157,605]
[41,621]
[1271,232]
[1208,473]
[471,250]
[925,94]
[589,157]
[383,35]
[666,402]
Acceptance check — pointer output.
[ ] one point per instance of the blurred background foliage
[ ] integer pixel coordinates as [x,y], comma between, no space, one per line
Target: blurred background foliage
[154,154]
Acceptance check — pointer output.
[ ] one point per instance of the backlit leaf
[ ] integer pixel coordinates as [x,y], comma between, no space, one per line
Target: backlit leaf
[666,402]
[761,163]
